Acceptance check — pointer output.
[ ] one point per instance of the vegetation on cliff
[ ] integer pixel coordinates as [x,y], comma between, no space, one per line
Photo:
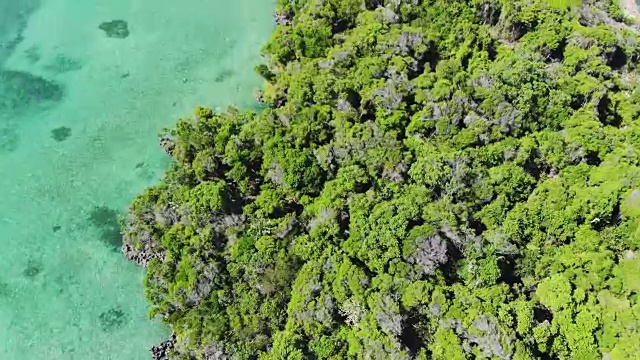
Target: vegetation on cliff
[432,179]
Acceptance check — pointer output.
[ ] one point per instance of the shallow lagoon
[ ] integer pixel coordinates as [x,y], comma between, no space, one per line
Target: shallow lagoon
[85,87]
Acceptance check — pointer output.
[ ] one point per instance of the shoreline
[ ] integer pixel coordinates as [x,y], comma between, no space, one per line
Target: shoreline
[630,8]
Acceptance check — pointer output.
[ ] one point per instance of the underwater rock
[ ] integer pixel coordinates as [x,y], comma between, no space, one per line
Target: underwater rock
[61,133]
[62,64]
[118,29]
[112,319]
[21,91]
[33,269]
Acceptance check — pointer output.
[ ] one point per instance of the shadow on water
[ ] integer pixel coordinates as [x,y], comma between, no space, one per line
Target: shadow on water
[106,221]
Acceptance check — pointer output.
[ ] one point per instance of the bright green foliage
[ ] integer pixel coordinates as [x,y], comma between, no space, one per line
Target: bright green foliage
[431,179]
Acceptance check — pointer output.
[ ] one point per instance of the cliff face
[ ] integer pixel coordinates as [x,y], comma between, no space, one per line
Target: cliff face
[430,180]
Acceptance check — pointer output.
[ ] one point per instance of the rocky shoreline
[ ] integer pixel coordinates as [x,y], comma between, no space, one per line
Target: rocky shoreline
[139,257]
[162,350]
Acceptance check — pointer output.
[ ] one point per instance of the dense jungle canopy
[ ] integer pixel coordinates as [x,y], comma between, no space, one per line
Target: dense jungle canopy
[428,179]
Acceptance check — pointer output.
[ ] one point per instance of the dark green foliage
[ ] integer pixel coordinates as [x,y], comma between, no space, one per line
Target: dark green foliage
[432,180]
[264,72]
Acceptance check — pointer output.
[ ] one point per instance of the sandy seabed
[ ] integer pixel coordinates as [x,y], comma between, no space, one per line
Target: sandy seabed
[81,104]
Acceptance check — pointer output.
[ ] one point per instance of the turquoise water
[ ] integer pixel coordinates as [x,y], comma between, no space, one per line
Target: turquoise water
[85,87]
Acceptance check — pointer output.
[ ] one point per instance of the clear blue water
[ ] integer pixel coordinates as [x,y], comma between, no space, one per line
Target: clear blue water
[80,108]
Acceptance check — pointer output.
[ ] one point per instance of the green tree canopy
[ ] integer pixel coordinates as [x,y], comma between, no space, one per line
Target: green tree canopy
[430,179]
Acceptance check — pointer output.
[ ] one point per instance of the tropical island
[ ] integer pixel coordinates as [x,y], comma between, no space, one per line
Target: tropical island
[428,179]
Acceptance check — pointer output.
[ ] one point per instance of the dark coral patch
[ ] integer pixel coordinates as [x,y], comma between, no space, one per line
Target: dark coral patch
[61,133]
[33,269]
[118,29]
[21,91]
[112,319]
